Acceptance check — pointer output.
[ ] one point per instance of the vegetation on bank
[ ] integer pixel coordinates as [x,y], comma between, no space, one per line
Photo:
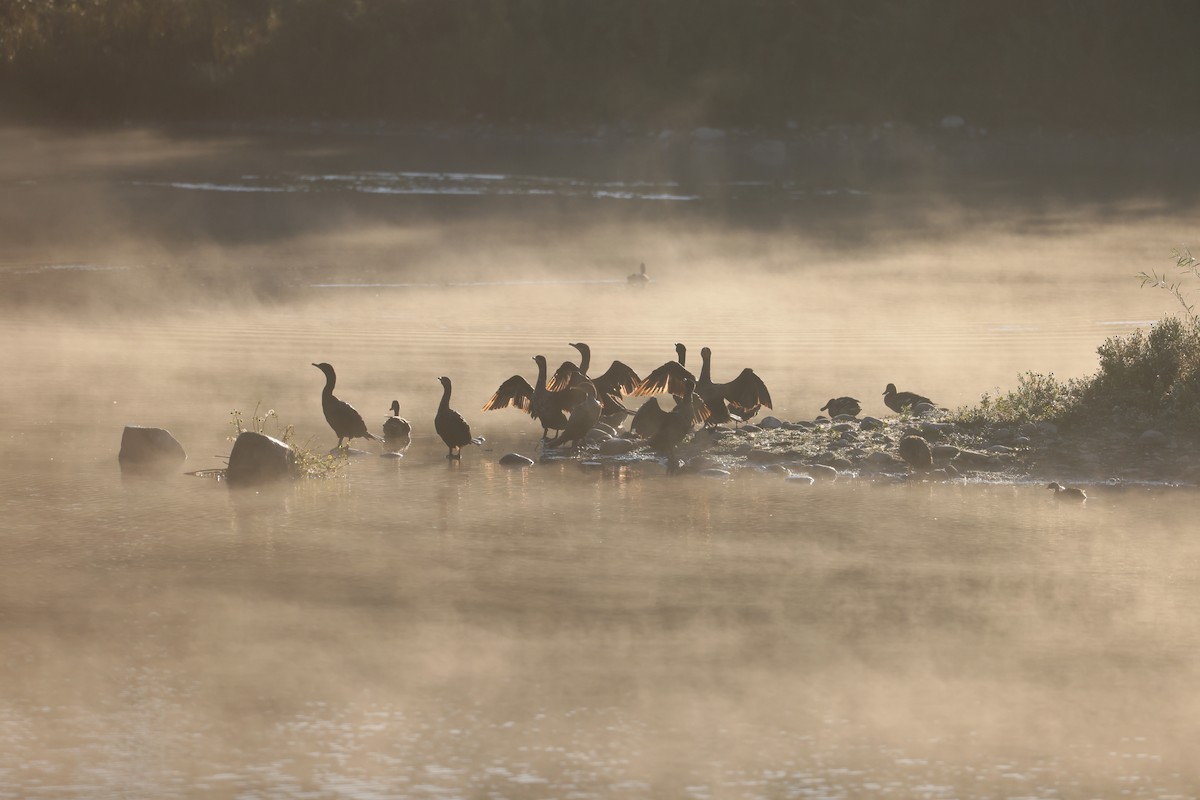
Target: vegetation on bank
[1146,379]
[310,463]
[1103,64]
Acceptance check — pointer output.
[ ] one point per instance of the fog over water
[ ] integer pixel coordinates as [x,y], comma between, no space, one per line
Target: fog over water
[419,628]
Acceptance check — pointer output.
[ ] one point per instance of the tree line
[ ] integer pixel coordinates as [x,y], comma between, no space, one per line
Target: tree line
[1057,63]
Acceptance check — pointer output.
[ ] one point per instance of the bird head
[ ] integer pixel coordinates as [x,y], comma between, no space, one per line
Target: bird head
[891,389]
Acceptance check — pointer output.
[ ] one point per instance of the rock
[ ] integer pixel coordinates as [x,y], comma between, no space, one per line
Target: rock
[841,427]
[822,472]
[915,452]
[617,447]
[845,418]
[839,463]
[999,448]
[257,459]
[944,452]
[770,423]
[714,472]
[804,424]
[870,424]
[1148,439]
[879,458]
[1022,441]
[149,449]
[605,427]
[791,426]
[515,460]
[596,435]
[800,480]
[750,429]
[777,468]
[763,457]
[924,409]
[391,454]
[1028,430]
[973,459]
[1048,429]
[950,471]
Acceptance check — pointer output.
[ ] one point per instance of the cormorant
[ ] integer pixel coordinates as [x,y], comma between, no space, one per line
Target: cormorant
[345,420]
[739,399]
[639,278]
[450,425]
[667,378]
[1067,493]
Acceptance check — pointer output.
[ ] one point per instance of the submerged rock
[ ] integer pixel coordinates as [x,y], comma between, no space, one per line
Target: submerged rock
[820,472]
[618,447]
[149,449]
[257,459]
[1152,439]
[515,460]
[800,480]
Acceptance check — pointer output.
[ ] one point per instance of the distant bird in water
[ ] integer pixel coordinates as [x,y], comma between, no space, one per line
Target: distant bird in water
[842,405]
[916,453]
[739,399]
[1068,494]
[898,401]
[639,278]
[345,420]
[396,429]
[450,425]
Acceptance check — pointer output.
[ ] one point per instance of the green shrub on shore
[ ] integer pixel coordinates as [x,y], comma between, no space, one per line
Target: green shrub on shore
[1145,378]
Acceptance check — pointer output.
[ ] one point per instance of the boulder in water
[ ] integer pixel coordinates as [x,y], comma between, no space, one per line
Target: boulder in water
[515,460]
[257,459]
[149,449]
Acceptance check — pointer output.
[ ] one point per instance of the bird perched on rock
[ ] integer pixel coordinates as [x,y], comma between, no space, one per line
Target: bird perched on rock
[916,453]
[842,405]
[547,406]
[1068,494]
[451,426]
[898,401]
[345,420]
[396,429]
[738,400]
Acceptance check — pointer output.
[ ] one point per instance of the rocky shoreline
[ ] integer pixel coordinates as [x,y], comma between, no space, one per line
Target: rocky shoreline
[868,447]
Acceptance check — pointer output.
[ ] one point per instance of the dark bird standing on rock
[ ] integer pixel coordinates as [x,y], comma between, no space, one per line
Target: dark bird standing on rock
[738,400]
[618,381]
[916,453]
[396,429]
[450,425]
[549,407]
[1067,494]
[898,401]
[345,420]
[667,378]
[842,405]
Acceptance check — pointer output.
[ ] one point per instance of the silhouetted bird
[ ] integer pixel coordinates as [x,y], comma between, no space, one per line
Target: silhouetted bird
[639,278]
[1067,494]
[584,416]
[898,401]
[346,422]
[546,406]
[669,377]
[739,399]
[842,405]
[617,381]
[450,425]
[396,429]
[916,453]
[678,422]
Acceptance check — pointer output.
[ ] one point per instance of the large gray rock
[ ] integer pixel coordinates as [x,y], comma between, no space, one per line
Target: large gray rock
[149,449]
[257,459]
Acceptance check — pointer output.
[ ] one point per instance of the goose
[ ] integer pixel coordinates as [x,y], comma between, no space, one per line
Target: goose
[450,425]
[842,405]
[345,420]
[1068,494]
[739,399]
[898,401]
[396,428]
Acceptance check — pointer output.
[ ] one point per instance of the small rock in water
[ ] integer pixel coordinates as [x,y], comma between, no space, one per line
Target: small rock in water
[604,426]
[777,468]
[1152,439]
[841,427]
[1022,441]
[763,457]
[845,418]
[714,472]
[999,448]
[392,454]
[944,452]
[257,459]
[870,424]
[771,423]
[617,447]
[596,435]
[515,460]
[149,448]
[750,429]
[840,463]
[801,480]
[821,472]
[884,459]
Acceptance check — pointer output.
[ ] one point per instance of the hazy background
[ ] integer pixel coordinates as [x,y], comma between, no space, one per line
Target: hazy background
[199,200]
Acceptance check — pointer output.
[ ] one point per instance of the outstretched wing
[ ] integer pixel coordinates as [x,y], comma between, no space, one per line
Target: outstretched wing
[745,394]
[619,380]
[562,376]
[667,378]
[515,392]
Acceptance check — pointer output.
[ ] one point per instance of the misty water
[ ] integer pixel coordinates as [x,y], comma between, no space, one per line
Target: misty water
[421,628]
